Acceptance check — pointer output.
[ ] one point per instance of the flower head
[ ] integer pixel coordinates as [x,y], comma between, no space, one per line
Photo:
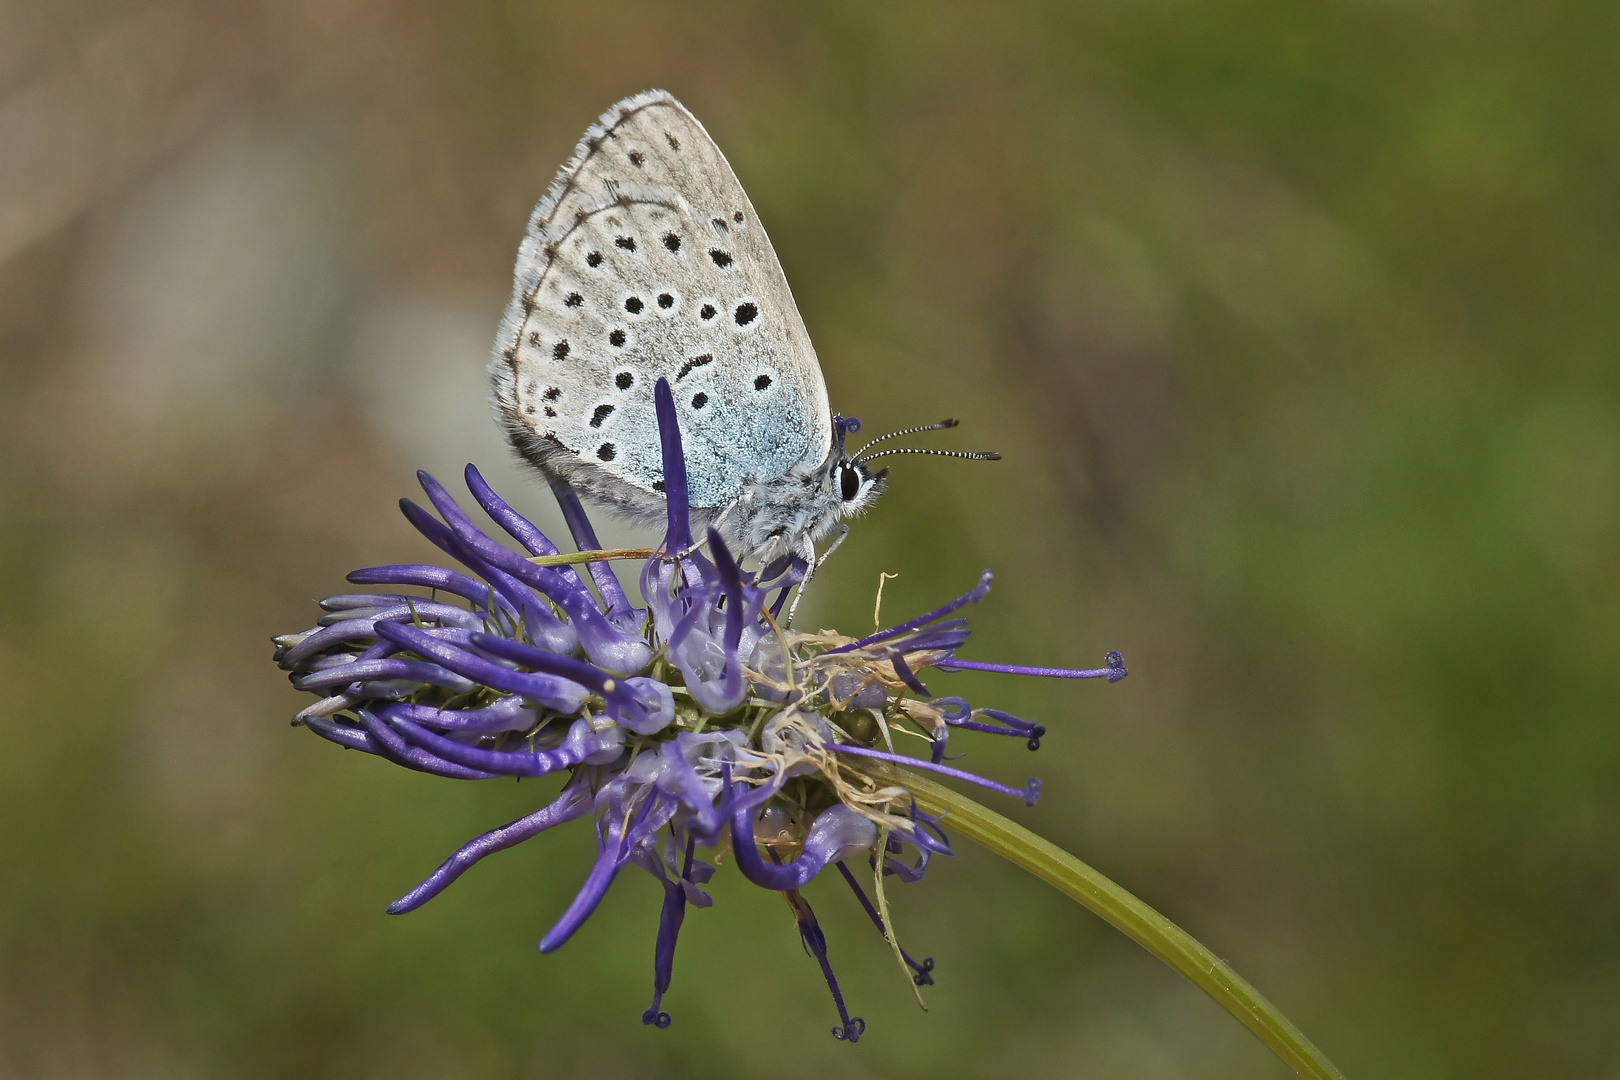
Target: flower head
[676,726]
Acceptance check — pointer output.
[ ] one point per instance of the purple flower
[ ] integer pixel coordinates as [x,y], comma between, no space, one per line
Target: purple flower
[674,726]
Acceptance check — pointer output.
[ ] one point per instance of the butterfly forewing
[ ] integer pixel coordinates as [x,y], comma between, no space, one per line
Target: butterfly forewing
[647,260]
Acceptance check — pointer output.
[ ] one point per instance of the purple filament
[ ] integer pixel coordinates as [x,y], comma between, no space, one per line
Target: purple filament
[373,670]
[619,608]
[922,972]
[349,738]
[815,942]
[903,669]
[428,577]
[972,596]
[1030,793]
[574,802]
[611,859]
[580,743]
[505,714]
[670,917]
[606,868]
[678,537]
[547,687]
[416,757]
[604,643]
[1114,672]
[778,877]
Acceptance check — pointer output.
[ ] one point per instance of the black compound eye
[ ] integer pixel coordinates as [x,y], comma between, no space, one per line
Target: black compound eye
[849,482]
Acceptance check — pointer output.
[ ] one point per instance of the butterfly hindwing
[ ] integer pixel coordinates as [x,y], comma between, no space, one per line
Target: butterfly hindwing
[646,260]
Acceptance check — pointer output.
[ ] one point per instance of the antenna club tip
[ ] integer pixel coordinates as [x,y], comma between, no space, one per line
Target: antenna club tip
[991,455]
[948,422]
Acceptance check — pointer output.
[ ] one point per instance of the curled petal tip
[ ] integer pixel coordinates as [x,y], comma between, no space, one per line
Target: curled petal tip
[1032,792]
[657,1019]
[1116,666]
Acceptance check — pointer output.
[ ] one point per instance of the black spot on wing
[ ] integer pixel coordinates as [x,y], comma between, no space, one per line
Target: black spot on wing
[746,313]
[594,259]
[693,364]
[560,350]
[616,339]
[574,300]
[672,242]
[762,382]
[628,243]
[624,380]
[607,451]
[602,413]
[722,259]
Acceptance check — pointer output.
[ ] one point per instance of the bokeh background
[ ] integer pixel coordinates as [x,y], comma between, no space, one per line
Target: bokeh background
[1296,323]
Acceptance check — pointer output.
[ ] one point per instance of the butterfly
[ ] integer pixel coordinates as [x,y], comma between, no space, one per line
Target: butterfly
[646,260]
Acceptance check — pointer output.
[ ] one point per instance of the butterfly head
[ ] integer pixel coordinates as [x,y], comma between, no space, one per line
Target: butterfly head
[856,485]
[790,514]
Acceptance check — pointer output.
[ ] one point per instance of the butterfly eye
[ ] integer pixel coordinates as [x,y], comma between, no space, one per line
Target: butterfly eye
[849,482]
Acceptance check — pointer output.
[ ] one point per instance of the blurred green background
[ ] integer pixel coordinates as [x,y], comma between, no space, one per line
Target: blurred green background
[1296,324]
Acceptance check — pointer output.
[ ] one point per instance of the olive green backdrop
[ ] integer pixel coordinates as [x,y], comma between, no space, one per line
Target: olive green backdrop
[1297,326]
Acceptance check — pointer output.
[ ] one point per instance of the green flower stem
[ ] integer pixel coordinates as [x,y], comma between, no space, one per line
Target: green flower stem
[1157,934]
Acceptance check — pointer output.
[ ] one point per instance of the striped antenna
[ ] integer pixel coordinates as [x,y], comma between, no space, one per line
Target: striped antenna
[948,422]
[971,455]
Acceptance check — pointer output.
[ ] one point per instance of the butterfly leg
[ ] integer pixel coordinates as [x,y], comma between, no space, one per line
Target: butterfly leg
[814,564]
[841,533]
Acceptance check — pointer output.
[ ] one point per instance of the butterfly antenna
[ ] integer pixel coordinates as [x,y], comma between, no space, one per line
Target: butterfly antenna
[948,422]
[970,455]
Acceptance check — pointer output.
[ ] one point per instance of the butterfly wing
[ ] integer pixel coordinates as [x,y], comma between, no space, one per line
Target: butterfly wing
[646,259]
